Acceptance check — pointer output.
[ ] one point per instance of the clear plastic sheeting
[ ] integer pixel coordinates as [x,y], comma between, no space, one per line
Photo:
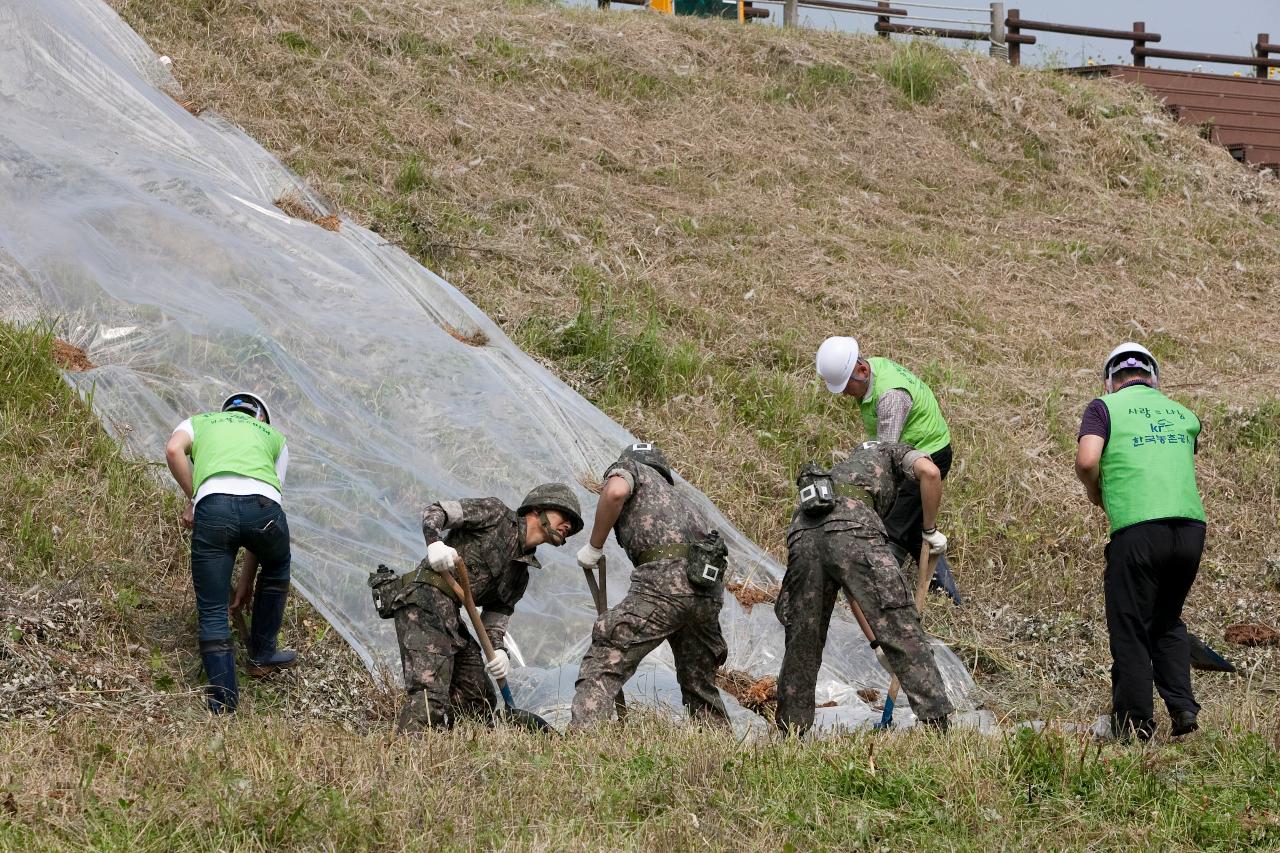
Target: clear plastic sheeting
[152,235]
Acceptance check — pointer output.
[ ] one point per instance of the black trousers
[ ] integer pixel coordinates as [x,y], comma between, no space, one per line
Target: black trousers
[1150,569]
[905,521]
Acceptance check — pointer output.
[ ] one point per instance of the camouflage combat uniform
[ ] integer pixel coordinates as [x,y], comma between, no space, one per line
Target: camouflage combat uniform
[443,664]
[848,548]
[661,604]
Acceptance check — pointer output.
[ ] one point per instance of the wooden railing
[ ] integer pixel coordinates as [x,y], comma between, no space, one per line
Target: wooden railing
[1006,33]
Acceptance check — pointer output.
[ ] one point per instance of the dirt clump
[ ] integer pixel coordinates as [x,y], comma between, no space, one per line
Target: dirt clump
[476,338]
[749,595]
[295,205]
[1252,634]
[755,694]
[71,357]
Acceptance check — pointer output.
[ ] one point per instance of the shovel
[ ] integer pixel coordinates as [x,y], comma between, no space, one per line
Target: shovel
[599,593]
[923,574]
[522,718]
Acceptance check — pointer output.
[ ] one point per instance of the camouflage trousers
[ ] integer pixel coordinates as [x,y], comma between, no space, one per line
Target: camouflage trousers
[821,562]
[624,635]
[443,665]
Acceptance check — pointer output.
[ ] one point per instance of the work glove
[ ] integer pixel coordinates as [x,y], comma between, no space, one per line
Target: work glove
[589,557]
[499,666]
[937,542]
[441,556]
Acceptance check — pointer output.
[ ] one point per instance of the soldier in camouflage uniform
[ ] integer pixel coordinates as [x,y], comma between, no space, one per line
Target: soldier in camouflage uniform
[677,587]
[846,546]
[444,667]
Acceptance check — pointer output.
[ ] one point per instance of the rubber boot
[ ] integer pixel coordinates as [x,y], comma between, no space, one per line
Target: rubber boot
[220,667]
[268,614]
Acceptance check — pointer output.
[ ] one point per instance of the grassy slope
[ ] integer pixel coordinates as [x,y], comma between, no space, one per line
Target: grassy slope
[674,213]
[114,752]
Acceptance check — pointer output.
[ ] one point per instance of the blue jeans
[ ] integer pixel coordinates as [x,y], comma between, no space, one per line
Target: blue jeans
[223,525]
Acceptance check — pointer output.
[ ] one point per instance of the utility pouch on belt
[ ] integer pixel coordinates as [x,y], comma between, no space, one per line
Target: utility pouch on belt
[384,584]
[706,561]
[817,490]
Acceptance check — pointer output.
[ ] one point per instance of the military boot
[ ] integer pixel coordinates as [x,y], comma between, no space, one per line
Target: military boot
[220,666]
[268,614]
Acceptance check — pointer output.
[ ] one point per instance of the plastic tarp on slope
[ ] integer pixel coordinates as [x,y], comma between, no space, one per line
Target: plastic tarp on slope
[152,235]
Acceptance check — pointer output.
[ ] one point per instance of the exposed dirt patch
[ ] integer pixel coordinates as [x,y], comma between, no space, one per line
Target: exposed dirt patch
[71,357]
[869,695]
[1252,634]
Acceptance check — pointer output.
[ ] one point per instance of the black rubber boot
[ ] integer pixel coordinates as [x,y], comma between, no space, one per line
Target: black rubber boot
[1184,723]
[220,667]
[268,613]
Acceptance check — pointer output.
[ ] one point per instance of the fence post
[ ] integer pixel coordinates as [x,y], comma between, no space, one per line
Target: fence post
[999,48]
[1139,61]
[1261,53]
[1015,49]
[883,19]
[791,13]
[742,11]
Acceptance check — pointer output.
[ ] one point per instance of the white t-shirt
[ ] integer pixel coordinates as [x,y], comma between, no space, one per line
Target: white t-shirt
[231,484]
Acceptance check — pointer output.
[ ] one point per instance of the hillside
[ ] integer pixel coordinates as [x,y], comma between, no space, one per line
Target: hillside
[673,213]
[108,746]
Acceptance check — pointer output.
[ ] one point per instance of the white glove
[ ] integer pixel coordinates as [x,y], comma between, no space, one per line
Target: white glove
[441,556]
[589,557]
[499,666]
[937,542]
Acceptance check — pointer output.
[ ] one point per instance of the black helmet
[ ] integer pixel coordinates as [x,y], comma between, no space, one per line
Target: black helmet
[556,496]
[650,455]
[250,404]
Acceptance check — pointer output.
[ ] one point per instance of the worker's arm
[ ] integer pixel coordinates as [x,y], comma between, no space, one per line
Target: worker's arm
[613,497]
[930,479]
[891,415]
[1089,465]
[177,454]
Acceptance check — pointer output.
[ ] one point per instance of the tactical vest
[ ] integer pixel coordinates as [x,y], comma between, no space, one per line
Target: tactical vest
[925,429]
[235,444]
[1148,465]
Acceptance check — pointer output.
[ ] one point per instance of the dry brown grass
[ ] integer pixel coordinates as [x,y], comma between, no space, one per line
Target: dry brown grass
[749,191]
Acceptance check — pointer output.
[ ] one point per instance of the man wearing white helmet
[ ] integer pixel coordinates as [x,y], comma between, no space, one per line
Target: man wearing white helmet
[231,465]
[1136,458]
[896,406]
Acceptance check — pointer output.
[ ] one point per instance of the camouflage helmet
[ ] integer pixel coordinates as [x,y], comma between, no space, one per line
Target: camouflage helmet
[650,455]
[555,496]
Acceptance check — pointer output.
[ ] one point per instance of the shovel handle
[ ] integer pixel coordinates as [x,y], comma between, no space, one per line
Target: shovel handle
[481,634]
[600,593]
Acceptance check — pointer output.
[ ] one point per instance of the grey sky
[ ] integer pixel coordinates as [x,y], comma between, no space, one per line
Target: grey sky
[1227,26]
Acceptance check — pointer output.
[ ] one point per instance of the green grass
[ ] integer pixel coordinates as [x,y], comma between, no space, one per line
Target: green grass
[918,70]
[255,782]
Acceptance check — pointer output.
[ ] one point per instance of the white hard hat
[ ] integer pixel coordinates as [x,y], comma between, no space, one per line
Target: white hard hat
[250,404]
[1137,356]
[836,360]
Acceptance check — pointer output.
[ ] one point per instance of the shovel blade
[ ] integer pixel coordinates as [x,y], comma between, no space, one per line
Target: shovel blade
[527,720]
[1205,658]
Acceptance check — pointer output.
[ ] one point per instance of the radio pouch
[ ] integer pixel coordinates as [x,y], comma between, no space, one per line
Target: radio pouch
[707,560]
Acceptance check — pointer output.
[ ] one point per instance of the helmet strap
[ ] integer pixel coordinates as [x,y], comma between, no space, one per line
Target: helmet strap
[553,535]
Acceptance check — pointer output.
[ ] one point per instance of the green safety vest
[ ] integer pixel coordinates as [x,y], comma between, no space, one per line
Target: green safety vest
[925,429]
[1148,465]
[236,444]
